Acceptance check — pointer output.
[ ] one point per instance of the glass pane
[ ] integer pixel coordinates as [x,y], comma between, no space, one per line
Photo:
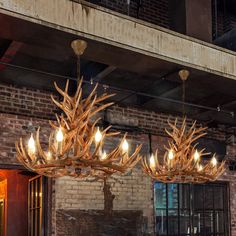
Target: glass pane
[198,223]
[185,223]
[219,222]
[208,198]
[161,222]
[173,222]
[209,225]
[219,197]
[184,196]
[172,196]
[209,216]
[198,197]
[160,195]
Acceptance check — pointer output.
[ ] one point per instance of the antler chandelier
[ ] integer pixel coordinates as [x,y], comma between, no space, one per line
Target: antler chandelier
[182,160]
[76,144]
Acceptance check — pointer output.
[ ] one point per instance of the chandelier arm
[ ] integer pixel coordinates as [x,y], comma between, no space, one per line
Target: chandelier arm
[65,95]
[156,160]
[66,89]
[102,107]
[113,155]
[25,164]
[92,93]
[63,120]
[24,152]
[64,108]
[79,85]
[20,155]
[103,97]
[182,129]
[40,151]
[134,155]
[77,103]
[110,134]
[47,166]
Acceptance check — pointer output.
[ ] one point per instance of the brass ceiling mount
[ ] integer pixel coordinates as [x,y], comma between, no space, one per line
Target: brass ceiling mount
[184,74]
[79,46]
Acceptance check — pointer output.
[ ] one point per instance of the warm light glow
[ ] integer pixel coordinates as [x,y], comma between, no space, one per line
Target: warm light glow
[171,155]
[125,146]
[214,161]
[98,136]
[152,162]
[59,135]
[49,155]
[31,145]
[200,168]
[196,156]
[103,156]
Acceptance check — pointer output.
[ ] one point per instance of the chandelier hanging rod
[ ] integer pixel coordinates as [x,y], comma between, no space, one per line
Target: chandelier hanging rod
[216,109]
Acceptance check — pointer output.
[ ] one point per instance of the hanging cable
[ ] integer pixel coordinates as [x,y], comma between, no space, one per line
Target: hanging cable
[150,143]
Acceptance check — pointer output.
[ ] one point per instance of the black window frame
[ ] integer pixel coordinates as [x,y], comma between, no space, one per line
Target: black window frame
[215,211]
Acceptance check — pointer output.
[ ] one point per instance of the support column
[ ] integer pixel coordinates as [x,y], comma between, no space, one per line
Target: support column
[192,17]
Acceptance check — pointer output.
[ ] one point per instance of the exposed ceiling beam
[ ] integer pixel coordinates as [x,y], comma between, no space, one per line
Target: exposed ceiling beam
[101,75]
[98,77]
[153,88]
[8,52]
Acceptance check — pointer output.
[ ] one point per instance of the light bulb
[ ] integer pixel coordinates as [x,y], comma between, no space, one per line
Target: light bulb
[152,161]
[49,155]
[31,145]
[59,135]
[103,156]
[98,136]
[125,146]
[196,156]
[171,154]
[200,168]
[214,161]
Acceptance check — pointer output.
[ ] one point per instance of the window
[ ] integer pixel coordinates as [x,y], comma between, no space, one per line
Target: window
[36,219]
[185,209]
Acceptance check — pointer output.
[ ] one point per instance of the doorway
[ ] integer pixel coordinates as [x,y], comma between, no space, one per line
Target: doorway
[14,202]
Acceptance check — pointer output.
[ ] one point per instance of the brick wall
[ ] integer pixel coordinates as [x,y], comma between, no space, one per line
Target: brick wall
[132,192]
[28,102]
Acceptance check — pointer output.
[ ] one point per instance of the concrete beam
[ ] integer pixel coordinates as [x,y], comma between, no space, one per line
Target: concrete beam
[108,27]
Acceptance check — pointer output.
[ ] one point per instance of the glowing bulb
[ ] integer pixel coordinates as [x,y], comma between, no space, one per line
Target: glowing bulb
[31,145]
[125,146]
[200,168]
[98,136]
[49,155]
[214,161]
[59,135]
[196,156]
[103,156]
[171,155]
[152,161]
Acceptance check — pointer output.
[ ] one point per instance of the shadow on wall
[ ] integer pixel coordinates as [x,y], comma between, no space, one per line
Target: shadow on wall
[96,223]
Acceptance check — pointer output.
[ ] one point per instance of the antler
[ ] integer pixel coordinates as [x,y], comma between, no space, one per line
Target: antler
[74,152]
[181,162]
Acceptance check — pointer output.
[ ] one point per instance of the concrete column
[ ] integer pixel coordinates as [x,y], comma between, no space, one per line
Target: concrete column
[192,17]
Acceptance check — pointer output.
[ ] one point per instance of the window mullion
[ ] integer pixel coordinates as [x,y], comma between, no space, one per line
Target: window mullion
[178,209]
[167,207]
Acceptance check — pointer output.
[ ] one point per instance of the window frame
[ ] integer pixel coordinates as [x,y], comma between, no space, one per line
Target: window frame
[226,208]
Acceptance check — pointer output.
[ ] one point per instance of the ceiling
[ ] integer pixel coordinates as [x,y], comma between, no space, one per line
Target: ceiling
[43,55]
